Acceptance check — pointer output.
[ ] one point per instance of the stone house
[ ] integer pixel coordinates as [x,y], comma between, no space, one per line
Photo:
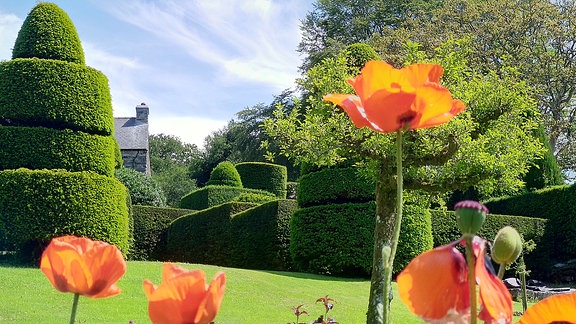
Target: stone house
[131,133]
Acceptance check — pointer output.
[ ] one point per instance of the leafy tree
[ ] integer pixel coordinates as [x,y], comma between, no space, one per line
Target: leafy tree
[143,189]
[169,161]
[489,145]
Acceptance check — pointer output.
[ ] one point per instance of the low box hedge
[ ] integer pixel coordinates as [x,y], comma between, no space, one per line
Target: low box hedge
[211,196]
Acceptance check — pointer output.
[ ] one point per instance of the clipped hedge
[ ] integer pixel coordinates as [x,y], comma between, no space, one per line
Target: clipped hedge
[225,174]
[151,230]
[264,176]
[334,186]
[46,148]
[254,198]
[445,231]
[48,33]
[55,94]
[261,236]
[558,206]
[205,236]
[37,205]
[211,196]
[338,239]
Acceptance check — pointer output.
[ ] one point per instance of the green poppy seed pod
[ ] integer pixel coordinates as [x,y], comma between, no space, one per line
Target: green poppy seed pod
[507,245]
[470,215]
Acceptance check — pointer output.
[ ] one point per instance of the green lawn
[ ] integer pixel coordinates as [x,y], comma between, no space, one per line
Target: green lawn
[251,297]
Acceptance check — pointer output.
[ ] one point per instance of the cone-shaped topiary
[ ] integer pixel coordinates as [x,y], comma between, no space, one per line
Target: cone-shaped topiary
[48,33]
[225,174]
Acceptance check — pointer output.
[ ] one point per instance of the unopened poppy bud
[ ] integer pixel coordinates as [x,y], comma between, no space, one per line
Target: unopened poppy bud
[470,215]
[507,246]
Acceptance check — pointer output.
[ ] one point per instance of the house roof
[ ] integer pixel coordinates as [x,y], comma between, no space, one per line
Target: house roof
[130,133]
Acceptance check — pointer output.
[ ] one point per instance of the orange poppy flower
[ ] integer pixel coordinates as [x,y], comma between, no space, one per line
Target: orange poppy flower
[388,99]
[82,266]
[434,286]
[557,308]
[183,296]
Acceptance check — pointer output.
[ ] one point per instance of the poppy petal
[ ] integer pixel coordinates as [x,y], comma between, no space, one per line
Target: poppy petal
[494,296]
[434,285]
[353,108]
[421,73]
[210,305]
[389,111]
[457,108]
[557,308]
[379,76]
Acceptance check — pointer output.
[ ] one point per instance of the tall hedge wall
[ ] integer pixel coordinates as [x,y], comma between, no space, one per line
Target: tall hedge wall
[261,236]
[47,148]
[334,186]
[37,205]
[151,230]
[211,196]
[445,230]
[204,237]
[338,239]
[264,176]
[558,206]
[55,94]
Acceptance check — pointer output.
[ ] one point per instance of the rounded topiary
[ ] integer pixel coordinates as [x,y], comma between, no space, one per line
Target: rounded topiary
[334,186]
[264,176]
[143,189]
[48,33]
[47,148]
[357,55]
[55,94]
[225,174]
[37,205]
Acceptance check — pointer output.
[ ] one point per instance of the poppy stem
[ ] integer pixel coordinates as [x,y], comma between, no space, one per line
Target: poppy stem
[471,262]
[74,308]
[501,270]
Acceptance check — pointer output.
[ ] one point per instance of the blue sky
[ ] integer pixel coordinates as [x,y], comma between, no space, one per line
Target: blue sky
[195,63]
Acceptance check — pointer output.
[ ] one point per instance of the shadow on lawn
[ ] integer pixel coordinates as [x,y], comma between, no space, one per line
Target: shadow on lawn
[301,275]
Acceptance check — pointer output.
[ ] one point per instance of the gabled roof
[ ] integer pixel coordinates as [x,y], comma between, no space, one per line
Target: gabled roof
[130,133]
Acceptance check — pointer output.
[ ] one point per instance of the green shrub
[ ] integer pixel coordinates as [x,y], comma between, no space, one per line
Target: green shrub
[118,160]
[334,186]
[338,239]
[37,205]
[151,230]
[291,189]
[256,198]
[260,236]
[545,172]
[225,174]
[55,94]
[143,190]
[211,196]
[264,176]
[205,236]
[46,148]
[357,55]
[48,33]
[445,230]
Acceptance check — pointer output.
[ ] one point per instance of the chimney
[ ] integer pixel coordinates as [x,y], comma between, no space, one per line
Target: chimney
[142,113]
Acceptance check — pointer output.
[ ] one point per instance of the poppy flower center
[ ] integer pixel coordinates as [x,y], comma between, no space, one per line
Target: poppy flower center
[406,117]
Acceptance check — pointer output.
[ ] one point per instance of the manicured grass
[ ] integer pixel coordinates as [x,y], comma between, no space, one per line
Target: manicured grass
[251,297]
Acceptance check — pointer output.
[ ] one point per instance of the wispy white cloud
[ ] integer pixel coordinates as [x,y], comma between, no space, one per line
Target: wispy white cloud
[245,40]
[9,27]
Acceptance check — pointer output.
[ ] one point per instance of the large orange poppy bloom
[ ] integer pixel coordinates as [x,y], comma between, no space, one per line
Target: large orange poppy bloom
[388,99]
[434,286]
[557,308]
[184,297]
[82,266]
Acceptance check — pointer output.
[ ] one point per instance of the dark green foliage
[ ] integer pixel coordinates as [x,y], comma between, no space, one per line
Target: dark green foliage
[291,188]
[46,148]
[37,205]
[143,190]
[257,198]
[357,55]
[55,94]
[445,230]
[338,239]
[545,172]
[557,205]
[205,236]
[261,236]
[211,196]
[264,176]
[334,186]
[151,231]
[225,174]
[118,160]
[48,33]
